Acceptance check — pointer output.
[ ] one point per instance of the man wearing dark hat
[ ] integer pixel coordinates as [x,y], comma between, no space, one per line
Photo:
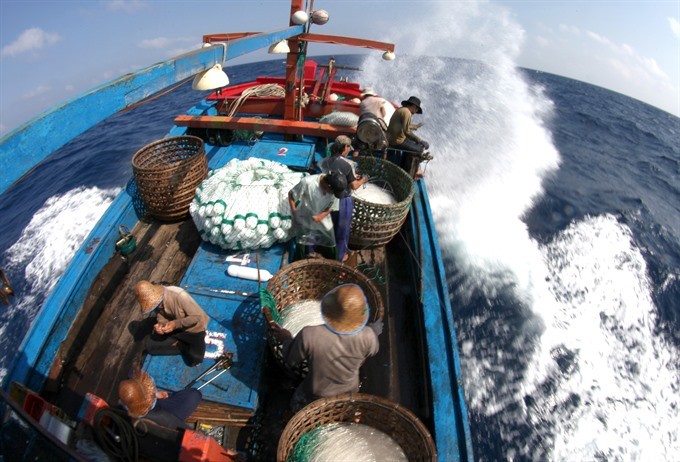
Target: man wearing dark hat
[400,130]
[180,322]
[334,350]
[342,218]
[310,202]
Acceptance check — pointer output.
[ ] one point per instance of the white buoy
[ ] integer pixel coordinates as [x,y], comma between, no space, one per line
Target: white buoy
[248,272]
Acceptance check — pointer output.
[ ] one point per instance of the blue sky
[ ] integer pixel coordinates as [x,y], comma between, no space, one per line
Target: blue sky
[53,50]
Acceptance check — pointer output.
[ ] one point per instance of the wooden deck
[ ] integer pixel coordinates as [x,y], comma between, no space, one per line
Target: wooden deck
[103,343]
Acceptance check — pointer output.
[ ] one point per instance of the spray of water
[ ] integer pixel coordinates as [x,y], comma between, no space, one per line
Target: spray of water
[565,358]
[43,252]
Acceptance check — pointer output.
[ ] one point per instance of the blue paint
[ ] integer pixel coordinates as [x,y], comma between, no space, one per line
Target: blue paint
[452,431]
[236,317]
[52,323]
[297,156]
[28,145]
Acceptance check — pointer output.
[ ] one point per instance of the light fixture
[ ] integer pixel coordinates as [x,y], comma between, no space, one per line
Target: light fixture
[388,56]
[320,17]
[300,17]
[279,47]
[210,79]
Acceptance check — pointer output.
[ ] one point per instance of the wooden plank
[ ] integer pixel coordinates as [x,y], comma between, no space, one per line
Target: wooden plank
[289,127]
[349,41]
[109,345]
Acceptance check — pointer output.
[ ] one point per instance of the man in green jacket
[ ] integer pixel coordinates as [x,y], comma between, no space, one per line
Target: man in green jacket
[400,131]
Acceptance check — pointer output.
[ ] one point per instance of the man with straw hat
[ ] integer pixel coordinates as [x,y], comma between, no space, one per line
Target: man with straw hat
[141,399]
[336,349]
[180,323]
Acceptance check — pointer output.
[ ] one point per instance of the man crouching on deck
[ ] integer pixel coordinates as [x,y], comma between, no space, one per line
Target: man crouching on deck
[180,322]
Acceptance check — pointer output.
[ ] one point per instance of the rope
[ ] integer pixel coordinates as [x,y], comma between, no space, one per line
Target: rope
[268,89]
[116,437]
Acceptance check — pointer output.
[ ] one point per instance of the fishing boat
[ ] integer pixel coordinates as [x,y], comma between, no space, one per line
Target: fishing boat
[83,341]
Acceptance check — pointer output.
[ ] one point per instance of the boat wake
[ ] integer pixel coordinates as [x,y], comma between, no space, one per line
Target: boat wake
[42,253]
[560,355]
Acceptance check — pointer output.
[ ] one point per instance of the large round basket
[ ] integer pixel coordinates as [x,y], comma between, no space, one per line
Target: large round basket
[307,280]
[167,173]
[376,224]
[390,418]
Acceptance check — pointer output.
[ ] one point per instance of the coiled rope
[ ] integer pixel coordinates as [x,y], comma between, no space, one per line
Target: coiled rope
[267,89]
[115,435]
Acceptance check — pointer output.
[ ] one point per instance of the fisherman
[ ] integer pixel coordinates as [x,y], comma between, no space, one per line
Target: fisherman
[180,323]
[400,132]
[310,202]
[334,350]
[342,217]
[376,105]
[142,400]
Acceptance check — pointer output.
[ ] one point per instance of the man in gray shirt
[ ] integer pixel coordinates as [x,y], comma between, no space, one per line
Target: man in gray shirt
[334,350]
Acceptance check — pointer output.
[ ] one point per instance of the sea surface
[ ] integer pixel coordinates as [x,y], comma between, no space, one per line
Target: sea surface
[557,205]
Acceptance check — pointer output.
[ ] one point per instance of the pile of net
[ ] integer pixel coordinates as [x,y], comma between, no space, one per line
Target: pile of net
[346,441]
[244,205]
[342,118]
[300,315]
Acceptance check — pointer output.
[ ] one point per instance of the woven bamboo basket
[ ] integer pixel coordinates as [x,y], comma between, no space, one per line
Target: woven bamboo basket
[390,418]
[376,224]
[167,173]
[311,279]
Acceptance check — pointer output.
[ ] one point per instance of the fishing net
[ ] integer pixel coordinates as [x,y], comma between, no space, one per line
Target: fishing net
[244,205]
[300,315]
[342,118]
[346,441]
[355,426]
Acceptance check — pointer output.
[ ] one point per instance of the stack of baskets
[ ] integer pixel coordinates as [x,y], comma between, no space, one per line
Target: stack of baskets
[307,280]
[376,224]
[396,421]
[167,173]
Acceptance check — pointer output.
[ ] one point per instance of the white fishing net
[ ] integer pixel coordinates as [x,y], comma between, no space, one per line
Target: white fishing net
[244,205]
[300,315]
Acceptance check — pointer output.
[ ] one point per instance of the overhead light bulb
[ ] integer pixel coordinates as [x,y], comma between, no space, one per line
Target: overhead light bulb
[279,47]
[210,79]
[320,17]
[300,17]
[389,56]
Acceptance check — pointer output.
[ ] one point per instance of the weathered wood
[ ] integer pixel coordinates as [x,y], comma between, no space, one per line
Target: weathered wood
[289,127]
[104,343]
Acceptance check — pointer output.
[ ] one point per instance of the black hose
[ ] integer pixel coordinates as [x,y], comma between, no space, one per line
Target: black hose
[115,435]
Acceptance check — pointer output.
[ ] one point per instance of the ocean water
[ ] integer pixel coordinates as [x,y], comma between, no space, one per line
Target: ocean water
[558,210]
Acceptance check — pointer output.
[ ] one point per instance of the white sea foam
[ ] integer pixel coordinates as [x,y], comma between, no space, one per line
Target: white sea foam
[46,246]
[584,376]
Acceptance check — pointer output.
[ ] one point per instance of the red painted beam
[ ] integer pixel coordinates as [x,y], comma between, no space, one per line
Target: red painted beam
[349,41]
[227,37]
[288,127]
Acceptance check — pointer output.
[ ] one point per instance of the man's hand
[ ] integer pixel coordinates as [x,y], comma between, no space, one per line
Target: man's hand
[165,328]
[279,333]
[318,218]
[162,394]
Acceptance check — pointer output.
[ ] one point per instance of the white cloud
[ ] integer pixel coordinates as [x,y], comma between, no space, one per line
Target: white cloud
[30,39]
[128,6]
[37,91]
[675,26]
[166,42]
